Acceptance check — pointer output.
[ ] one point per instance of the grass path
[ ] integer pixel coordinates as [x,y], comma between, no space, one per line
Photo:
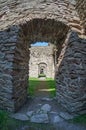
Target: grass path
[41,88]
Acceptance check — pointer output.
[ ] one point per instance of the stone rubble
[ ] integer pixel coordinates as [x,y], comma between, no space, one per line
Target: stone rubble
[43,114]
[46,108]
[20,116]
[40,118]
[57,119]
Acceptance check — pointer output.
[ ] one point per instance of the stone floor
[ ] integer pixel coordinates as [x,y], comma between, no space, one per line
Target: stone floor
[45,110]
[42,110]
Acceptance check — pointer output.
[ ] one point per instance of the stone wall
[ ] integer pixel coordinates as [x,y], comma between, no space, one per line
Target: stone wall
[14,57]
[71,75]
[20,72]
[15,42]
[81,8]
[41,55]
[17,12]
[26,21]
[8,40]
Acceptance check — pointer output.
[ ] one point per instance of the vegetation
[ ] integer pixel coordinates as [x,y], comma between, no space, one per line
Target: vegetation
[80,119]
[32,83]
[3,119]
[7,123]
[51,85]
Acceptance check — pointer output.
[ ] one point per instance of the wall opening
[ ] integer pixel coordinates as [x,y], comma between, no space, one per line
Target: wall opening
[41,66]
[42,70]
[49,26]
[40,44]
[36,30]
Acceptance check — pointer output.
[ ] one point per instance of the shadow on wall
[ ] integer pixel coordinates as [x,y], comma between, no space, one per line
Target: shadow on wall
[70,71]
[14,57]
[71,75]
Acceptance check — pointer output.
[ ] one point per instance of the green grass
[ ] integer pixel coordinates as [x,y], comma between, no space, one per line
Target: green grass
[7,123]
[80,119]
[32,83]
[51,85]
[3,119]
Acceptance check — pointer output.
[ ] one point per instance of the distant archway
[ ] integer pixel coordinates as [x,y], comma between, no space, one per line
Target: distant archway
[42,69]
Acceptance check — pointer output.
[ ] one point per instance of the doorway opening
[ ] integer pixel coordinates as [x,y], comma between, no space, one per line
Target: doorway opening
[42,70]
[35,30]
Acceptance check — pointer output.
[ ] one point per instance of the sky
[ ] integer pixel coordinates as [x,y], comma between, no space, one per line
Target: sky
[40,44]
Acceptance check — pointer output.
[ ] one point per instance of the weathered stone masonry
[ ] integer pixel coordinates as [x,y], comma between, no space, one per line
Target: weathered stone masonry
[81,7]
[57,22]
[71,75]
[13,56]
[42,55]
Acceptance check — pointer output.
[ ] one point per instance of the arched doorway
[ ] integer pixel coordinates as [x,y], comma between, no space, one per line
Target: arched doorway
[42,70]
[32,31]
[67,79]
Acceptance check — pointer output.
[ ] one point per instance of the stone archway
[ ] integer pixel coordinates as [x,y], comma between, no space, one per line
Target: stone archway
[30,32]
[34,30]
[42,69]
[57,28]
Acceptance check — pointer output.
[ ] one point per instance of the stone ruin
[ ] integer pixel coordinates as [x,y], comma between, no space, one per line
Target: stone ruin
[42,62]
[60,22]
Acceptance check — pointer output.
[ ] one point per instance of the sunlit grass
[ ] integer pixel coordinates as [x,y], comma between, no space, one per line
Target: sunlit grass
[52,87]
[47,90]
[32,83]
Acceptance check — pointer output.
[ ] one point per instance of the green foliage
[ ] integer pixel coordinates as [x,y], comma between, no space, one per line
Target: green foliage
[80,119]
[51,85]
[3,120]
[7,123]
